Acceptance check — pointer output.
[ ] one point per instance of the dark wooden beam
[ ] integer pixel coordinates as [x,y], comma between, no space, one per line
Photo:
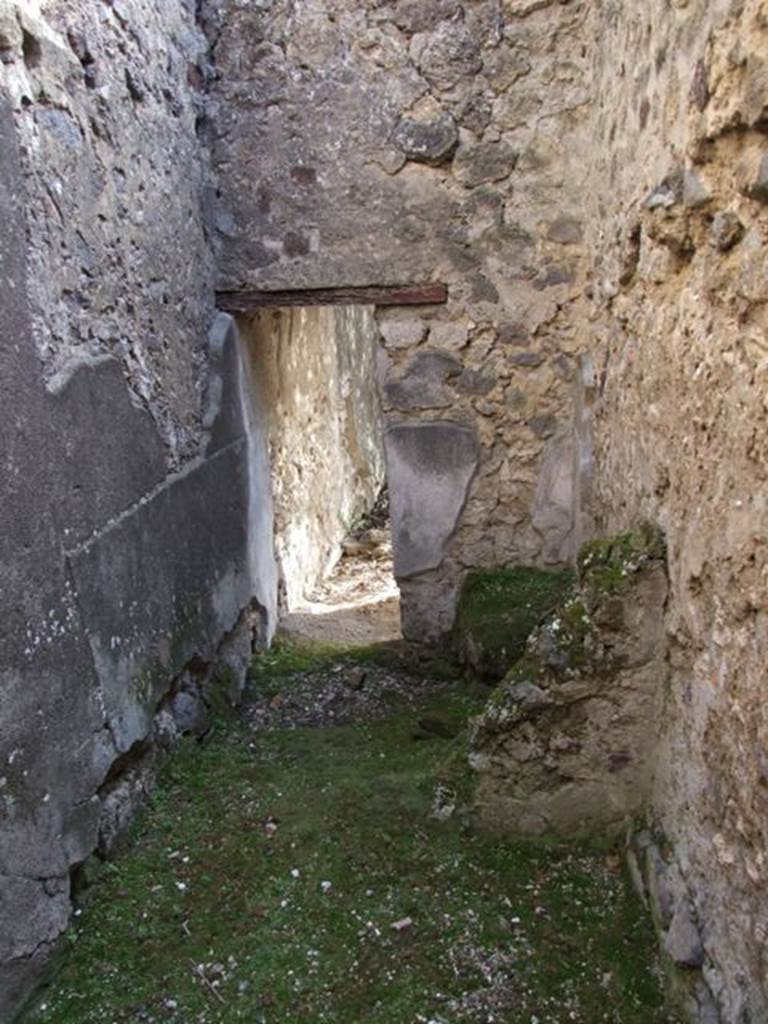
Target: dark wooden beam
[396,295]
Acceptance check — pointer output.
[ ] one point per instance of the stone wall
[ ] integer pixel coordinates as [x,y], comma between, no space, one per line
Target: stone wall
[589,179]
[314,371]
[678,229]
[129,577]
[398,142]
[106,100]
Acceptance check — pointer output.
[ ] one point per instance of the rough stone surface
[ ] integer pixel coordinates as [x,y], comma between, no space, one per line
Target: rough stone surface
[119,263]
[402,333]
[424,383]
[453,144]
[683,942]
[726,231]
[565,746]
[431,143]
[679,415]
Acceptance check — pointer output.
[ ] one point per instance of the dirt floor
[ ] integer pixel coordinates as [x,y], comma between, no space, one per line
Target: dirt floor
[314,859]
[299,866]
[359,603]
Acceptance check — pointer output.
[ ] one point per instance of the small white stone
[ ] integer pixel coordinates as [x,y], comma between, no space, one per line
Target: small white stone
[402,924]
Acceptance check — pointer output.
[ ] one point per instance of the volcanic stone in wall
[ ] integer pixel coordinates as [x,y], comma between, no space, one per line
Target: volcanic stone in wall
[564,746]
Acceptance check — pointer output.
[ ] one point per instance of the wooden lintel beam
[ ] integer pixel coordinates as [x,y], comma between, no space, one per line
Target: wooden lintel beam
[397,295]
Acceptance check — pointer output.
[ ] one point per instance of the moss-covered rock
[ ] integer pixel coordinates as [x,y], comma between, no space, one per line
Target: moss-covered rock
[498,610]
[564,745]
[607,565]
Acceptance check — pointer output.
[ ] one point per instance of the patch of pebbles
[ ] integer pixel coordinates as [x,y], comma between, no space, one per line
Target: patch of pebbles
[342,694]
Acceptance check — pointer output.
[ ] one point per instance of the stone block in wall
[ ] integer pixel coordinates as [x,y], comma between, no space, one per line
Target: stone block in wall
[165,583]
[564,747]
[95,418]
[400,333]
[424,383]
[431,142]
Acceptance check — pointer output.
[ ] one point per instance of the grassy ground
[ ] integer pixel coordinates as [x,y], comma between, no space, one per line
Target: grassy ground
[263,883]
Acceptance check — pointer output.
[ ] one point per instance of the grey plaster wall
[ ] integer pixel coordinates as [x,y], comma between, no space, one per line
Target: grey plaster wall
[135,538]
[429,468]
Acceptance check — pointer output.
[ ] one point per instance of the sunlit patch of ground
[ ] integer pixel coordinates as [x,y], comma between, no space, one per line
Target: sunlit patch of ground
[359,603]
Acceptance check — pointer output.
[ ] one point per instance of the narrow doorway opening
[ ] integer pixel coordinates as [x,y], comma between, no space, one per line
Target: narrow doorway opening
[314,369]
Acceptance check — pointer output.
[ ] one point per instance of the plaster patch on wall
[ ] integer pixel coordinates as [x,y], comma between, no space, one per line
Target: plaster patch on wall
[429,467]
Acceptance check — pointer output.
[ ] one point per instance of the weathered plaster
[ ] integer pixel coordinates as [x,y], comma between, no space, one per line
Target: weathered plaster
[115,575]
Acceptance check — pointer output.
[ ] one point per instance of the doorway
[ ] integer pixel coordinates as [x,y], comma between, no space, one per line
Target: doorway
[315,369]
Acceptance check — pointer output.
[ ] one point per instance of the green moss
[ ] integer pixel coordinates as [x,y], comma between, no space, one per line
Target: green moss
[206,887]
[290,656]
[499,609]
[575,617]
[569,629]
[222,691]
[607,565]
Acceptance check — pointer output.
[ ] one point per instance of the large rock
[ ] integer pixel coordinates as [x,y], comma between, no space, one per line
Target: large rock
[683,942]
[485,162]
[564,746]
